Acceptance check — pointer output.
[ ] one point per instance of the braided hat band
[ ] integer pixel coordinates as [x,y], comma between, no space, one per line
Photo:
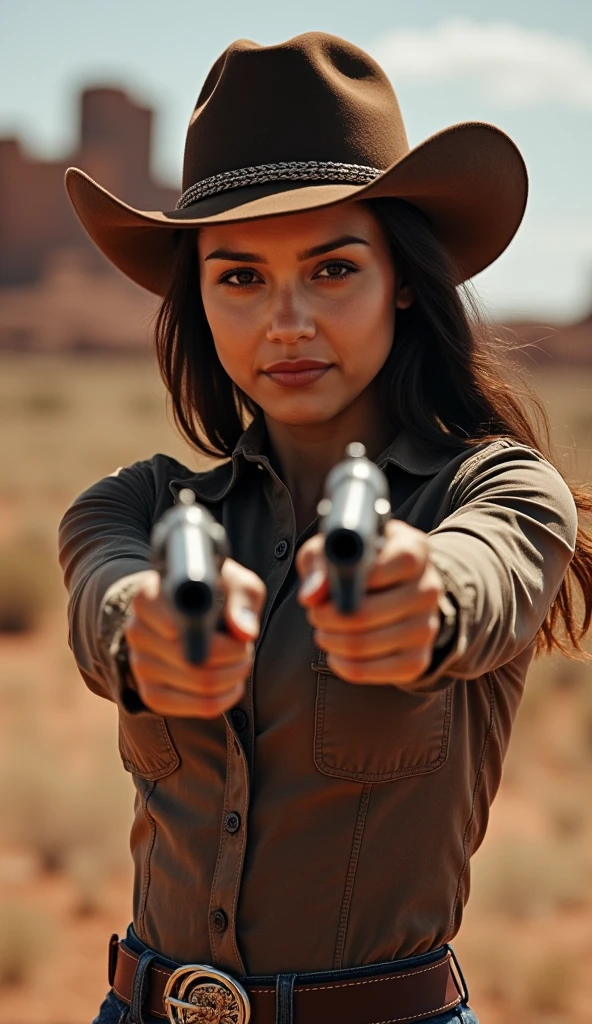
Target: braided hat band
[293,170]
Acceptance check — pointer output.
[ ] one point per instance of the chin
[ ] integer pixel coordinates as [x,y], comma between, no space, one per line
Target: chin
[299,414]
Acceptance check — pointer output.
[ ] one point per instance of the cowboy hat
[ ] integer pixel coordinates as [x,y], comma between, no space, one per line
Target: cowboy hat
[308,123]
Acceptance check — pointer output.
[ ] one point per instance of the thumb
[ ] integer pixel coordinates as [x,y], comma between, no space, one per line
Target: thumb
[246,594]
[312,569]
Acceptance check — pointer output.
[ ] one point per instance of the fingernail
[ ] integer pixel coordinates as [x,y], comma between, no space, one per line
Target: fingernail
[247,620]
[312,582]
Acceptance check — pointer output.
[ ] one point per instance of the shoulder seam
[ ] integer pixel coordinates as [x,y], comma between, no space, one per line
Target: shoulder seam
[478,457]
[493,446]
[489,448]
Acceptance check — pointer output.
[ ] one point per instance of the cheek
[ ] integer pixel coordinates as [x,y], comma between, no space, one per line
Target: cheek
[223,317]
[233,334]
[366,327]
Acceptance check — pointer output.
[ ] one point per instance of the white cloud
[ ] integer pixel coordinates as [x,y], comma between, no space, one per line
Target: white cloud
[518,67]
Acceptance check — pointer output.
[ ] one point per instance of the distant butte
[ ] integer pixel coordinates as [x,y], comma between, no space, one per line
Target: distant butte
[59,293]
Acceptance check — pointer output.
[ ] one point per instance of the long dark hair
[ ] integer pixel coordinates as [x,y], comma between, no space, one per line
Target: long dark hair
[449,378]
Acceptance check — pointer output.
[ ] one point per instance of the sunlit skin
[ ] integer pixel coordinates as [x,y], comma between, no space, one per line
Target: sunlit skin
[336,306]
[280,301]
[283,299]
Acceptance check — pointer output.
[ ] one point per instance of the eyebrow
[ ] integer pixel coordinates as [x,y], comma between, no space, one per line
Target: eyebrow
[306,254]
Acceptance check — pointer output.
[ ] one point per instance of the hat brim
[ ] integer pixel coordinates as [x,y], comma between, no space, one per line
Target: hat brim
[469,180]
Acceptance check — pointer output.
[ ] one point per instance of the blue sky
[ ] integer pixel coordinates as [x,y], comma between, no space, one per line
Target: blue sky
[525,66]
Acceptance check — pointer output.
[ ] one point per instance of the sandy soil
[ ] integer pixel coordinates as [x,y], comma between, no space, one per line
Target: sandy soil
[526,941]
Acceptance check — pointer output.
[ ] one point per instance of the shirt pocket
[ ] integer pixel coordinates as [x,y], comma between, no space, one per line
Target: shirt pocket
[145,745]
[377,733]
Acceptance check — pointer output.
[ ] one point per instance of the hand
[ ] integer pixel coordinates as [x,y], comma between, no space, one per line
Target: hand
[390,638]
[166,682]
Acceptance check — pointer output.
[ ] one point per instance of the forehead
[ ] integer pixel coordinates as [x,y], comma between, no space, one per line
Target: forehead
[295,231]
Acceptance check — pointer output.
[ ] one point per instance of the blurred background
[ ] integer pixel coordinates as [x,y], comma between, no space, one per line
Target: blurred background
[110,88]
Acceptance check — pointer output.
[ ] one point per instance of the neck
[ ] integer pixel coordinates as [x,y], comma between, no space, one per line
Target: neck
[303,454]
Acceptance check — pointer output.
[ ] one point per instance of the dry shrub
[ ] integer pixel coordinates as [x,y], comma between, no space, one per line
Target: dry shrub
[538,690]
[554,687]
[524,877]
[569,675]
[25,934]
[27,582]
[144,405]
[547,676]
[493,961]
[568,813]
[15,693]
[568,751]
[550,982]
[515,974]
[64,815]
[87,871]
[45,403]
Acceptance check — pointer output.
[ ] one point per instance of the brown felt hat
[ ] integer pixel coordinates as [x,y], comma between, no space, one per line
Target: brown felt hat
[312,122]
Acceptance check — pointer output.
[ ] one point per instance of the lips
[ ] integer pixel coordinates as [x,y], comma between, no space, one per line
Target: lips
[300,377]
[295,365]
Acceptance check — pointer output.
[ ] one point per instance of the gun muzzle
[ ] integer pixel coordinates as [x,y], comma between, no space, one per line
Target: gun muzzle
[188,548]
[354,509]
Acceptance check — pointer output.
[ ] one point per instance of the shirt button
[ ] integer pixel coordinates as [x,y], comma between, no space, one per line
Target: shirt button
[239,718]
[232,822]
[219,920]
[281,549]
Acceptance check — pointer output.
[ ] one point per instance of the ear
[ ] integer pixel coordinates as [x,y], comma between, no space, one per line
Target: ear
[404,297]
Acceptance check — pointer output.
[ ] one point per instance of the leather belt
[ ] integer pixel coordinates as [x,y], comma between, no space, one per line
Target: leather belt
[412,994]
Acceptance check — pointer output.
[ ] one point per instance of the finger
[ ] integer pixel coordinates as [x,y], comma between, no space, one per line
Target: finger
[312,569]
[149,607]
[402,558]
[379,608]
[164,701]
[397,669]
[207,681]
[310,555]
[225,650]
[418,631]
[245,594]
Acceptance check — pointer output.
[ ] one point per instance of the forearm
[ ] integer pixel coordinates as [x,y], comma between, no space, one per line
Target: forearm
[502,557]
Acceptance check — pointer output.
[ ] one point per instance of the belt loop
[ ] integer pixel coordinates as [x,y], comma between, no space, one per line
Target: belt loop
[284,999]
[465,993]
[112,959]
[139,987]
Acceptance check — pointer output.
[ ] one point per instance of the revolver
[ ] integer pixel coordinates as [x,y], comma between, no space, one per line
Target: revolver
[188,548]
[354,510]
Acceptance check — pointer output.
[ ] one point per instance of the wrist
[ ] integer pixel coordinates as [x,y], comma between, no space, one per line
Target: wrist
[448,622]
[129,696]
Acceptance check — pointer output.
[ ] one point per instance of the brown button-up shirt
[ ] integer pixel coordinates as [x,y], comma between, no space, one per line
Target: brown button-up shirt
[321,824]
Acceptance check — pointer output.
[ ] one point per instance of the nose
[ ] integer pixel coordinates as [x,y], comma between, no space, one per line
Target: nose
[290,318]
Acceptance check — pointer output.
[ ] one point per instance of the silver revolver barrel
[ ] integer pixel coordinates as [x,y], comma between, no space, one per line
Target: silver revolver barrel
[353,510]
[188,548]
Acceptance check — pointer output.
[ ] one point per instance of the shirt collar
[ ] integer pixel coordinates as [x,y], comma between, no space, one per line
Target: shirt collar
[406,451]
[409,452]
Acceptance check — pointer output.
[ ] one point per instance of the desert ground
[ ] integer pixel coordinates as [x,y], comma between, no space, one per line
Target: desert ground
[66,802]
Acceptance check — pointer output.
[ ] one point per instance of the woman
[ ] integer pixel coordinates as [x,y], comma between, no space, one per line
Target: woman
[309,798]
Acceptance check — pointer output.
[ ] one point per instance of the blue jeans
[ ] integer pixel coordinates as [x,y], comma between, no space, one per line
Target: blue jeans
[114,1010]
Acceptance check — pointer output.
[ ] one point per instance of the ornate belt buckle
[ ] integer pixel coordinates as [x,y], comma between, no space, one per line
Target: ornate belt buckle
[205,995]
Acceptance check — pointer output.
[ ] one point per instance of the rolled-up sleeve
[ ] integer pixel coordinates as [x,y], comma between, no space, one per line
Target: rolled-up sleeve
[502,552]
[104,553]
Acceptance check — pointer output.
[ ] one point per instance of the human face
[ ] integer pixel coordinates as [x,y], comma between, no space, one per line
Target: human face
[320,286]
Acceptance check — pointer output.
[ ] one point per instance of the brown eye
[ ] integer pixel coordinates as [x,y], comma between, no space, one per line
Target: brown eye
[336,271]
[241,278]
